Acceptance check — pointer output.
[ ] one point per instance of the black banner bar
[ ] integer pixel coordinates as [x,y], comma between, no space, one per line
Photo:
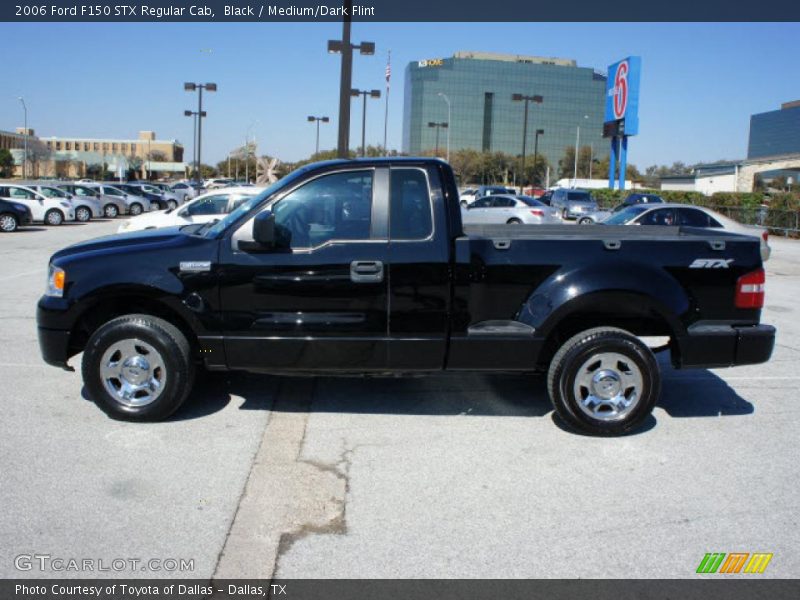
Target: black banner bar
[397,10]
[714,587]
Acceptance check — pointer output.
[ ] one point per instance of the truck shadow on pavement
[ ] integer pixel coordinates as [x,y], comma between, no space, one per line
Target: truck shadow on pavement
[693,393]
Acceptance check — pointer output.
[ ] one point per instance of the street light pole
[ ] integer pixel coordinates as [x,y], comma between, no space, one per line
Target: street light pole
[311,119]
[449,120]
[345,48]
[438,126]
[526,99]
[536,152]
[195,115]
[24,139]
[372,94]
[191,87]
[577,143]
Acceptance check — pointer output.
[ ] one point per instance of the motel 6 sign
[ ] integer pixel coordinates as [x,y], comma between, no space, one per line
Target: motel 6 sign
[622,95]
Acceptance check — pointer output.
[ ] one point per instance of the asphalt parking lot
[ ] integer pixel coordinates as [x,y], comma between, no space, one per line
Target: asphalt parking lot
[448,476]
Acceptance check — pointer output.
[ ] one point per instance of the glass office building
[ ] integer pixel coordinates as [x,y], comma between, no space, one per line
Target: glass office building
[776,132]
[484,117]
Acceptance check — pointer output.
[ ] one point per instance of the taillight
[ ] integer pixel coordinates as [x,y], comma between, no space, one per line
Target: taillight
[750,290]
[536,212]
[765,235]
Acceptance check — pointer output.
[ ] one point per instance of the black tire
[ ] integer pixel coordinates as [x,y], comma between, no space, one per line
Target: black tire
[172,205]
[83,214]
[53,217]
[111,211]
[585,221]
[172,349]
[8,223]
[576,353]
[513,222]
[135,209]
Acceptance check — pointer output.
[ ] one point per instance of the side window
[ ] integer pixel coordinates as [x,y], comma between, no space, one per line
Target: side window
[213,205]
[503,202]
[662,216]
[692,217]
[20,193]
[236,201]
[482,203]
[331,207]
[410,205]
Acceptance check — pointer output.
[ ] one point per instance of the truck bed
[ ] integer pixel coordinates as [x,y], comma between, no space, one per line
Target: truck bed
[594,232]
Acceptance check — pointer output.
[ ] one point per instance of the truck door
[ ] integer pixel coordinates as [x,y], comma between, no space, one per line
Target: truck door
[419,286]
[318,300]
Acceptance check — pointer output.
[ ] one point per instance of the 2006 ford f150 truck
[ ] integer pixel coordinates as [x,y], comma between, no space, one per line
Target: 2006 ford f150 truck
[364,267]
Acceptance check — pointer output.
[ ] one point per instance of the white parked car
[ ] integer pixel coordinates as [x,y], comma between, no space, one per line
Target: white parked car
[50,211]
[685,215]
[508,209]
[217,182]
[203,209]
[183,190]
[86,207]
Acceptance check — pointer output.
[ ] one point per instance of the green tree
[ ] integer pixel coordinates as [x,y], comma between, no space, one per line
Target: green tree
[6,163]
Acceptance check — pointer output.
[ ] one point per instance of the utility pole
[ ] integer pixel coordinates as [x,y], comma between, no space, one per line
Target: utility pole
[526,99]
[191,87]
[25,139]
[372,94]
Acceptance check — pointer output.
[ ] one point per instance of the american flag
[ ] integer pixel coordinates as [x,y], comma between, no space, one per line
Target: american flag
[388,69]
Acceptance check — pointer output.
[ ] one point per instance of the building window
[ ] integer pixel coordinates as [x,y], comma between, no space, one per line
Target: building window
[486,144]
[58,145]
[96,146]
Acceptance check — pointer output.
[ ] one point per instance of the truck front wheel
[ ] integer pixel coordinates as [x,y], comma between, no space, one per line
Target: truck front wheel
[603,381]
[138,368]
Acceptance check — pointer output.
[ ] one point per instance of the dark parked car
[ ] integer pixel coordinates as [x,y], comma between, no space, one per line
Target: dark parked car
[13,215]
[631,200]
[364,266]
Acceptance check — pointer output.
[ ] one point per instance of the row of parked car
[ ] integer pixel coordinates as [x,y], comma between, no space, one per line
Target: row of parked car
[562,205]
[54,202]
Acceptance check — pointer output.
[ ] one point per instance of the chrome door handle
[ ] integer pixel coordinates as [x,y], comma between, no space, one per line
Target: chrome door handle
[366,271]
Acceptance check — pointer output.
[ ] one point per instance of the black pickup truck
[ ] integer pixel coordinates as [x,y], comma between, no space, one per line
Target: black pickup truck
[363,267]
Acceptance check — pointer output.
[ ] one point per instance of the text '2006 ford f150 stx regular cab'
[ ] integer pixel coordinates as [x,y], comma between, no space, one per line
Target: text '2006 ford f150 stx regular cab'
[363,267]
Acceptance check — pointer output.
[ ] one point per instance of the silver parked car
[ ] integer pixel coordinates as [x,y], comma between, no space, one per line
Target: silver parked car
[112,205]
[134,205]
[573,203]
[685,215]
[509,209]
[86,207]
[167,200]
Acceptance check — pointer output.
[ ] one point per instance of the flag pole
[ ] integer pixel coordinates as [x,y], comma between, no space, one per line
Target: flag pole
[386,114]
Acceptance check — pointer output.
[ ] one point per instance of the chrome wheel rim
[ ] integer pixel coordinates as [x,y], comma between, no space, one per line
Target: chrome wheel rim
[7,223]
[133,372]
[111,211]
[136,210]
[83,214]
[54,218]
[171,204]
[608,386]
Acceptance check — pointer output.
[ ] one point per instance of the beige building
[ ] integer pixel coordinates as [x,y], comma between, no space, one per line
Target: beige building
[59,156]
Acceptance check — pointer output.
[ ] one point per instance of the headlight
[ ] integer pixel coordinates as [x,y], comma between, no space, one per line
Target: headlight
[56,278]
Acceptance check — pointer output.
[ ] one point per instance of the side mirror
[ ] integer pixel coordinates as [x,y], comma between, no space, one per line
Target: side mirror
[264,228]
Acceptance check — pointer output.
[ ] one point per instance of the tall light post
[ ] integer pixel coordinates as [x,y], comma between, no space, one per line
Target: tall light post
[438,126]
[536,152]
[24,139]
[577,143]
[345,48]
[195,114]
[444,97]
[190,87]
[319,120]
[526,99]
[247,150]
[364,93]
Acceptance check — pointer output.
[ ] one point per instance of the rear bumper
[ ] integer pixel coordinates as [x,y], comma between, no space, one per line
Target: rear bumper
[725,346]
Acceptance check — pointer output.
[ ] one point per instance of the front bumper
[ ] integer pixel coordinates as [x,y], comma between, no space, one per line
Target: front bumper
[725,346]
[54,330]
[54,346]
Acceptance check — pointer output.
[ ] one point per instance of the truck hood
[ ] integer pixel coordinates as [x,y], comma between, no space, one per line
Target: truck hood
[127,242]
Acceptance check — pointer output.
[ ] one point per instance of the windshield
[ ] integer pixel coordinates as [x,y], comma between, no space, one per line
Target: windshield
[579,196]
[51,192]
[624,216]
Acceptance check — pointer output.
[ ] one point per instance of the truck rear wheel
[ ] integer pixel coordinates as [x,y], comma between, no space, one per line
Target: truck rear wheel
[138,368]
[603,381]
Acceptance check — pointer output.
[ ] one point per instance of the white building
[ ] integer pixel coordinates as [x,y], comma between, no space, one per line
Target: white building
[707,179]
[590,184]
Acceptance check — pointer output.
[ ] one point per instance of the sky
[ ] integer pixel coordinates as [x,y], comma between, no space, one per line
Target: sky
[700,81]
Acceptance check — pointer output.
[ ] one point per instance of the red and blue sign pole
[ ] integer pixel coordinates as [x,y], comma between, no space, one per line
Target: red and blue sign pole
[622,113]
